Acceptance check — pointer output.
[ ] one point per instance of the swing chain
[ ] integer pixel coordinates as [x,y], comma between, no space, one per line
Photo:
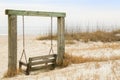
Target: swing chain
[23,52]
[51,49]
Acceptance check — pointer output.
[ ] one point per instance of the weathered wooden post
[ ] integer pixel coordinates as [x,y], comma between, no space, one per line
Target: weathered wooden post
[12,44]
[60,40]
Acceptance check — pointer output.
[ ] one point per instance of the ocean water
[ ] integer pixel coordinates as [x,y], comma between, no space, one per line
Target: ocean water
[32,25]
[30,30]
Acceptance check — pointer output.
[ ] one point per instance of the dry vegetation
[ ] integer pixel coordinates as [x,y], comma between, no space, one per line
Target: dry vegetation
[71,59]
[104,46]
[98,35]
[98,62]
[9,73]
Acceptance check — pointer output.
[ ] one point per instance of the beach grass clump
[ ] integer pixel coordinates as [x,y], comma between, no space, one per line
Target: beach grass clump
[98,35]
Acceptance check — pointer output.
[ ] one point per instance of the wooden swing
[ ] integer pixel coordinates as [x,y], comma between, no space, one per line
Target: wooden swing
[38,62]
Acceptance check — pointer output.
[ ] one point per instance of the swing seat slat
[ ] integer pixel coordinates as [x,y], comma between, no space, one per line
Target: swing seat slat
[42,57]
[50,66]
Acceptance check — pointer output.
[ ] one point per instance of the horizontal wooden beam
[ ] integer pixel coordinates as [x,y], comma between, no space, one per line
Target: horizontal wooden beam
[34,13]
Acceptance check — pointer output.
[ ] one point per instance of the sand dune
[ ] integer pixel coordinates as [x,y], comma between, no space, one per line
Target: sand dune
[107,70]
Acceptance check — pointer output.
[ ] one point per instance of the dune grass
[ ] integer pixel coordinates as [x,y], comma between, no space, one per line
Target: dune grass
[71,59]
[98,35]
[9,73]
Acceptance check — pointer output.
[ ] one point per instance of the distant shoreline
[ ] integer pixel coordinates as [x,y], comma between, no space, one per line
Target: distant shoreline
[3,34]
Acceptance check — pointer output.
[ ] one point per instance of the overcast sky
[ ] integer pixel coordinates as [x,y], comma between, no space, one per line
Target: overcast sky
[78,12]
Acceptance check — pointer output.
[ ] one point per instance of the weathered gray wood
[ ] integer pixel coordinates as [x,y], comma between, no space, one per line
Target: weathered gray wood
[12,43]
[61,40]
[22,63]
[12,37]
[43,57]
[28,69]
[41,67]
[42,62]
[34,13]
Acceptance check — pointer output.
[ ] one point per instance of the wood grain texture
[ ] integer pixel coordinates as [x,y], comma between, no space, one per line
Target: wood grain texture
[12,43]
[34,13]
[60,40]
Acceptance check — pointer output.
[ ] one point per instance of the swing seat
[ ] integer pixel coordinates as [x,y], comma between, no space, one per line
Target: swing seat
[39,62]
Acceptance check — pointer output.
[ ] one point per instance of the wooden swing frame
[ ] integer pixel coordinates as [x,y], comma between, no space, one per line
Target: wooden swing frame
[12,34]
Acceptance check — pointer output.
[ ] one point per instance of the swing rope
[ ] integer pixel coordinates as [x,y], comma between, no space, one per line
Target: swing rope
[23,52]
[51,48]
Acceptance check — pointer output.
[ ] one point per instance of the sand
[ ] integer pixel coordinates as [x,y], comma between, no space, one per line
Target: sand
[103,70]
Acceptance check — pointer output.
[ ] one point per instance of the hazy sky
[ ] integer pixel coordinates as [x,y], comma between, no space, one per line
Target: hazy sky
[78,12]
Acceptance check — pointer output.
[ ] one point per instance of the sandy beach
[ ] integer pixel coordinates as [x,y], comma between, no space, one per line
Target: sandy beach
[103,70]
